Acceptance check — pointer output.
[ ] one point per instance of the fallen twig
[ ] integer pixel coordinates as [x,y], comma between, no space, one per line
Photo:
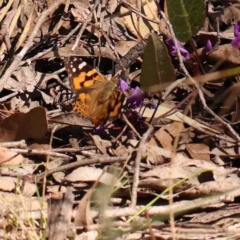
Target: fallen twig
[137,166]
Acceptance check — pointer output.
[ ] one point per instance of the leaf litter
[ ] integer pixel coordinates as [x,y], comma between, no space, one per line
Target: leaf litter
[167,167]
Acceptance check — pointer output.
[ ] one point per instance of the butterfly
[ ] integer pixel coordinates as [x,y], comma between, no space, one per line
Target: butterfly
[97,99]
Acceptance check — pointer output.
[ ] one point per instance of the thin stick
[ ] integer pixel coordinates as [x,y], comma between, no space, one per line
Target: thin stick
[17,144]
[137,166]
[41,152]
[47,162]
[3,99]
[94,160]
[131,126]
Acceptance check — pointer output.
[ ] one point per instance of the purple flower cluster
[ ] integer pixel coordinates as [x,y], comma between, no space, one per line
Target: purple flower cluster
[207,48]
[236,41]
[173,51]
[185,54]
[136,96]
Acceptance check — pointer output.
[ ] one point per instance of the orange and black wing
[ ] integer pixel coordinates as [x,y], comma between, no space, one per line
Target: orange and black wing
[97,98]
[82,78]
[81,74]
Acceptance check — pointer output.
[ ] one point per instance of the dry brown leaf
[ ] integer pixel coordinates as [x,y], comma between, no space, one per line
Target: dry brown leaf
[58,176]
[115,29]
[198,151]
[122,47]
[91,174]
[176,171]
[208,217]
[27,168]
[175,116]
[183,167]
[179,159]
[166,134]
[101,144]
[121,149]
[80,12]
[157,185]
[219,185]
[8,157]
[33,104]
[30,204]
[153,154]
[9,184]
[206,184]
[24,79]
[24,126]
[135,75]
[111,5]
[139,28]
[39,146]
[47,99]
[227,54]
[83,214]
[231,13]
[225,151]
[16,104]
[29,189]
[56,189]
[72,119]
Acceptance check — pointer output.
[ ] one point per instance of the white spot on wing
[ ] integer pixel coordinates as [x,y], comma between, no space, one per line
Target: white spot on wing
[81,65]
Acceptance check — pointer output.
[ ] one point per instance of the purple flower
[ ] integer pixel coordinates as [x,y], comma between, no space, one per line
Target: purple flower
[123,86]
[173,51]
[135,100]
[236,41]
[207,48]
[136,95]
[237,29]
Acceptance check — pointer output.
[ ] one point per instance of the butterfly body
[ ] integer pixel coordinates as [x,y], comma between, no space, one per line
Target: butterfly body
[96,98]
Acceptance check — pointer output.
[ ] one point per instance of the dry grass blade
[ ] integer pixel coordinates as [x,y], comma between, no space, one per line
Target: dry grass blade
[4,10]
[25,30]
[11,27]
[5,31]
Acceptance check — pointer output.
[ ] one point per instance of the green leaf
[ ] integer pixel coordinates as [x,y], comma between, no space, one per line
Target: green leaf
[157,68]
[186,17]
